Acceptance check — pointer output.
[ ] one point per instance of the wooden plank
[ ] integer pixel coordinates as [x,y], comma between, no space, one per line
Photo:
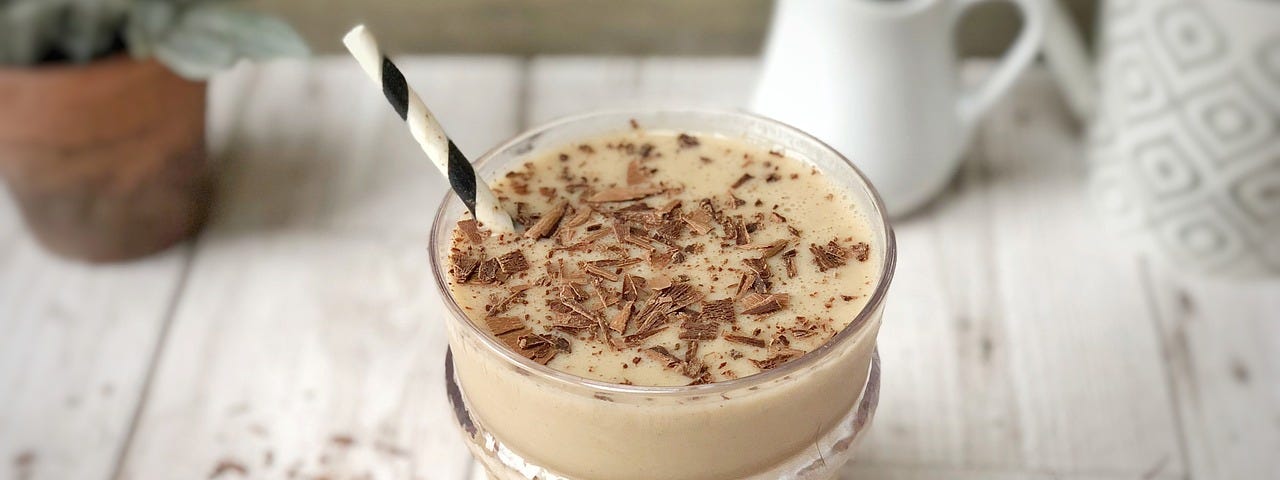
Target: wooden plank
[580,27]
[323,148]
[948,396]
[859,472]
[75,345]
[562,86]
[1222,350]
[1090,391]
[308,338]
[307,352]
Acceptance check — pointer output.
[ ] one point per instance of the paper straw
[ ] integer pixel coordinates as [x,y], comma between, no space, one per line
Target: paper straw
[475,194]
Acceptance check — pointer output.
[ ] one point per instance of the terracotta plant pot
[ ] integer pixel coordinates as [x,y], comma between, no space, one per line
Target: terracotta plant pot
[106,160]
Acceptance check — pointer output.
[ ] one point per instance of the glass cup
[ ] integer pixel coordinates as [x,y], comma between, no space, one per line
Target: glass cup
[523,420]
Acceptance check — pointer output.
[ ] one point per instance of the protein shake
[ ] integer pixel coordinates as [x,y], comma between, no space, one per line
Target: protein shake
[663,261]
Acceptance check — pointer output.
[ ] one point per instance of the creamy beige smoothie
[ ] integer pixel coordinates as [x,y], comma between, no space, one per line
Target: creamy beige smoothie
[657,258]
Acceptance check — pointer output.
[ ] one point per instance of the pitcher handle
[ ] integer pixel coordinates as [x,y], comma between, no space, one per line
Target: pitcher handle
[976,102]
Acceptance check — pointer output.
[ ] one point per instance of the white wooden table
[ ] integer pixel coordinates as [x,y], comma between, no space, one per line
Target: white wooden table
[298,336]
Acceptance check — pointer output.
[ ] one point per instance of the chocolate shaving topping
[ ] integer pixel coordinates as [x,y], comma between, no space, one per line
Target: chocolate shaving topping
[547,224]
[573,321]
[687,141]
[763,303]
[513,262]
[697,330]
[757,266]
[580,216]
[745,340]
[619,321]
[661,355]
[640,336]
[462,268]
[636,173]
[789,259]
[828,256]
[745,283]
[622,194]
[861,251]
[772,361]
[502,305]
[720,311]
[600,272]
[746,177]
[660,283]
[681,295]
[699,221]
[471,230]
[503,325]
[767,250]
[487,272]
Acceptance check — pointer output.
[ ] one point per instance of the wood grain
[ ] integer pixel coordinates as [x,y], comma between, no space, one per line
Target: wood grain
[76,343]
[1086,364]
[1222,352]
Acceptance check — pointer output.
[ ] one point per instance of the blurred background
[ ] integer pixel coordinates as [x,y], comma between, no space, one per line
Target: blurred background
[651,27]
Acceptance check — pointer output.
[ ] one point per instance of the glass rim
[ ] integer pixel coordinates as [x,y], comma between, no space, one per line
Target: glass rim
[873,304]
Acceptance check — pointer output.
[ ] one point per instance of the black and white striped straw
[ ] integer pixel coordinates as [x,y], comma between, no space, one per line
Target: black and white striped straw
[475,194]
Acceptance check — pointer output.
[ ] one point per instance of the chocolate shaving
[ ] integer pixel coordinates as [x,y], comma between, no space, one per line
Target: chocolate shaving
[640,336]
[746,177]
[699,221]
[861,251]
[768,250]
[763,303]
[503,325]
[502,305]
[789,259]
[619,322]
[529,341]
[771,362]
[636,173]
[698,330]
[580,216]
[661,355]
[745,284]
[606,295]
[513,262]
[720,311]
[745,340]
[758,266]
[622,194]
[487,272]
[687,141]
[471,230]
[631,287]
[573,321]
[600,272]
[462,268]
[681,295]
[547,224]
[828,256]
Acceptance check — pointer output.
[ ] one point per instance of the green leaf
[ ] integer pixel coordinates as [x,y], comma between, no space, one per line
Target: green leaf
[28,29]
[209,38]
[91,27]
[149,22]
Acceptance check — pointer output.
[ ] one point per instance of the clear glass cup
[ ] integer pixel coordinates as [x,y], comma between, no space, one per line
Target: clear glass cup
[523,420]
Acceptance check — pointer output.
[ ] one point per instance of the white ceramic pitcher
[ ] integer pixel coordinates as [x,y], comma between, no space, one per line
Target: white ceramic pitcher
[878,81]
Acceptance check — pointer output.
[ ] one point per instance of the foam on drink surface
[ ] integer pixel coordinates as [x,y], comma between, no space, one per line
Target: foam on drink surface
[663,258]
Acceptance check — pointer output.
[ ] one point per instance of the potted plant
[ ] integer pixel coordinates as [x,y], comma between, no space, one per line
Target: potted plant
[102,115]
